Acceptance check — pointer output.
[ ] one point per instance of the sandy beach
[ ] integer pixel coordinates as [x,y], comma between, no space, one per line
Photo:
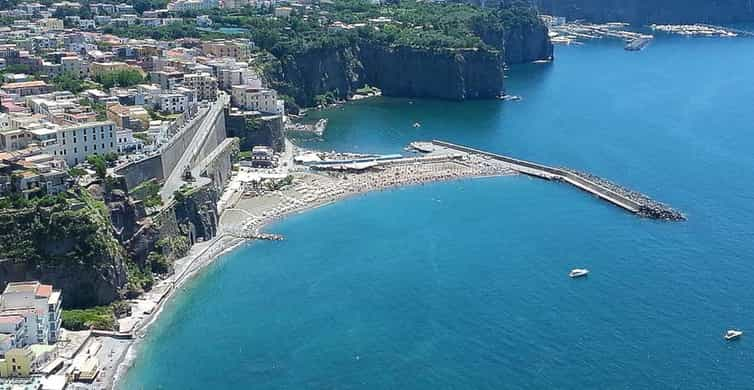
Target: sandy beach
[246,208]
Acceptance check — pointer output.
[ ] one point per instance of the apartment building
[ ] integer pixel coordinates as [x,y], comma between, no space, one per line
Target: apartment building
[172,103]
[26,88]
[257,99]
[41,308]
[74,66]
[239,49]
[74,143]
[203,84]
[167,79]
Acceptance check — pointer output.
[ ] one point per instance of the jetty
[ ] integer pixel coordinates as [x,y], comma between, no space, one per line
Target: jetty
[628,200]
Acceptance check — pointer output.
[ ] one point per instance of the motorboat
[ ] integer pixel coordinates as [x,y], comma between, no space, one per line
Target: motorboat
[733,334]
[578,272]
[417,125]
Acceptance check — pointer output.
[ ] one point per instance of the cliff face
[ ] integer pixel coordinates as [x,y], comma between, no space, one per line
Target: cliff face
[397,71]
[522,43]
[651,11]
[70,246]
[445,74]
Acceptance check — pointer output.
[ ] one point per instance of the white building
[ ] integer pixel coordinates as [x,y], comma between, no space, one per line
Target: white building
[75,66]
[172,102]
[230,73]
[192,5]
[40,307]
[203,21]
[127,143]
[257,99]
[74,143]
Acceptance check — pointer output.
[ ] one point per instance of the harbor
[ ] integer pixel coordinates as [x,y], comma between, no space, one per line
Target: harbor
[574,33]
[700,30]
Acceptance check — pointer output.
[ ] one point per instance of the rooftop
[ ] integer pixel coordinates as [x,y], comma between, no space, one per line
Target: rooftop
[11,319]
[25,84]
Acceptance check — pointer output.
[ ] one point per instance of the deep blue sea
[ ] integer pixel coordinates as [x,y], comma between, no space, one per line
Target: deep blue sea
[464,285]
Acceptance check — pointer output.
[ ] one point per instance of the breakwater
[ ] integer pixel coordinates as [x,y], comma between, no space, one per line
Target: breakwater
[631,201]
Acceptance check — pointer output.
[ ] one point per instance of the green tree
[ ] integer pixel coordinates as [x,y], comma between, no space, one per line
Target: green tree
[68,82]
[99,164]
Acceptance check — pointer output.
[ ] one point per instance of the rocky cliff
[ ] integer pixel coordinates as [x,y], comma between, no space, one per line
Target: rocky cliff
[454,74]
[69,244]
[651,11]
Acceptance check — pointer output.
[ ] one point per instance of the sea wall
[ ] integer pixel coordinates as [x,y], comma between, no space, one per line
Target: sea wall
[655,11]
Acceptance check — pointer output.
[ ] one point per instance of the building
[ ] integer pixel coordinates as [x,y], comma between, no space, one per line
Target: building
[239,49]
[203,21]
[261,156]
[27,88]
[41,308]
[75,143]
[257,99]
[172,103]
[51,24]
[167,79]
[283,12]
[230,72]
[74,66]
[128,117]
[17,363]
[127,143]
[203,84]
[192,5]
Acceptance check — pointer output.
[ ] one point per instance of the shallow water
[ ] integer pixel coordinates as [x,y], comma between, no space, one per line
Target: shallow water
[464,284]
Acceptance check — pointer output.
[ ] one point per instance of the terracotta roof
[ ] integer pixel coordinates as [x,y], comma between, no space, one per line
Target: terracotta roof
[44,290]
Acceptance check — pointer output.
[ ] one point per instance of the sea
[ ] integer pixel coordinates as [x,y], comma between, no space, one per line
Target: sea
[464,284]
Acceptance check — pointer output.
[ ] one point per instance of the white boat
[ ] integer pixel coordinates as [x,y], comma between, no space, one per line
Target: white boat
[417,125]
[578,272]
[733,334]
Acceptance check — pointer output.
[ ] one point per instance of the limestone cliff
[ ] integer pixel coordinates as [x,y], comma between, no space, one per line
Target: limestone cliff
[455,74]
[69,244]
[651,11]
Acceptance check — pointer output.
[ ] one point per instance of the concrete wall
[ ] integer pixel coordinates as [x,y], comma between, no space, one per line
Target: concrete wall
[173,150]
[137,172]
[218,164]
[213,140]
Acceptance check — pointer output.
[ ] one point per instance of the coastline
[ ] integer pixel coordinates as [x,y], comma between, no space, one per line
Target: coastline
[269,206]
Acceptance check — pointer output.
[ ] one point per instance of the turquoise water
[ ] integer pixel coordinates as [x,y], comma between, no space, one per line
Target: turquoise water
[464,285]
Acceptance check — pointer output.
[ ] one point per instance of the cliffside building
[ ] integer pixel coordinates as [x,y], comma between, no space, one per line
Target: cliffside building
[39,306]
[257,99]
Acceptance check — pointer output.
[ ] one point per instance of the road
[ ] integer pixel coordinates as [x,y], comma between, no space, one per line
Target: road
[175,180]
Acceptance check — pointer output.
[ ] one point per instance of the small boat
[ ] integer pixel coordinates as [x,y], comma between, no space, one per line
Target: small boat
[417,125]
[509,98]
[578,272]
[733,334]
